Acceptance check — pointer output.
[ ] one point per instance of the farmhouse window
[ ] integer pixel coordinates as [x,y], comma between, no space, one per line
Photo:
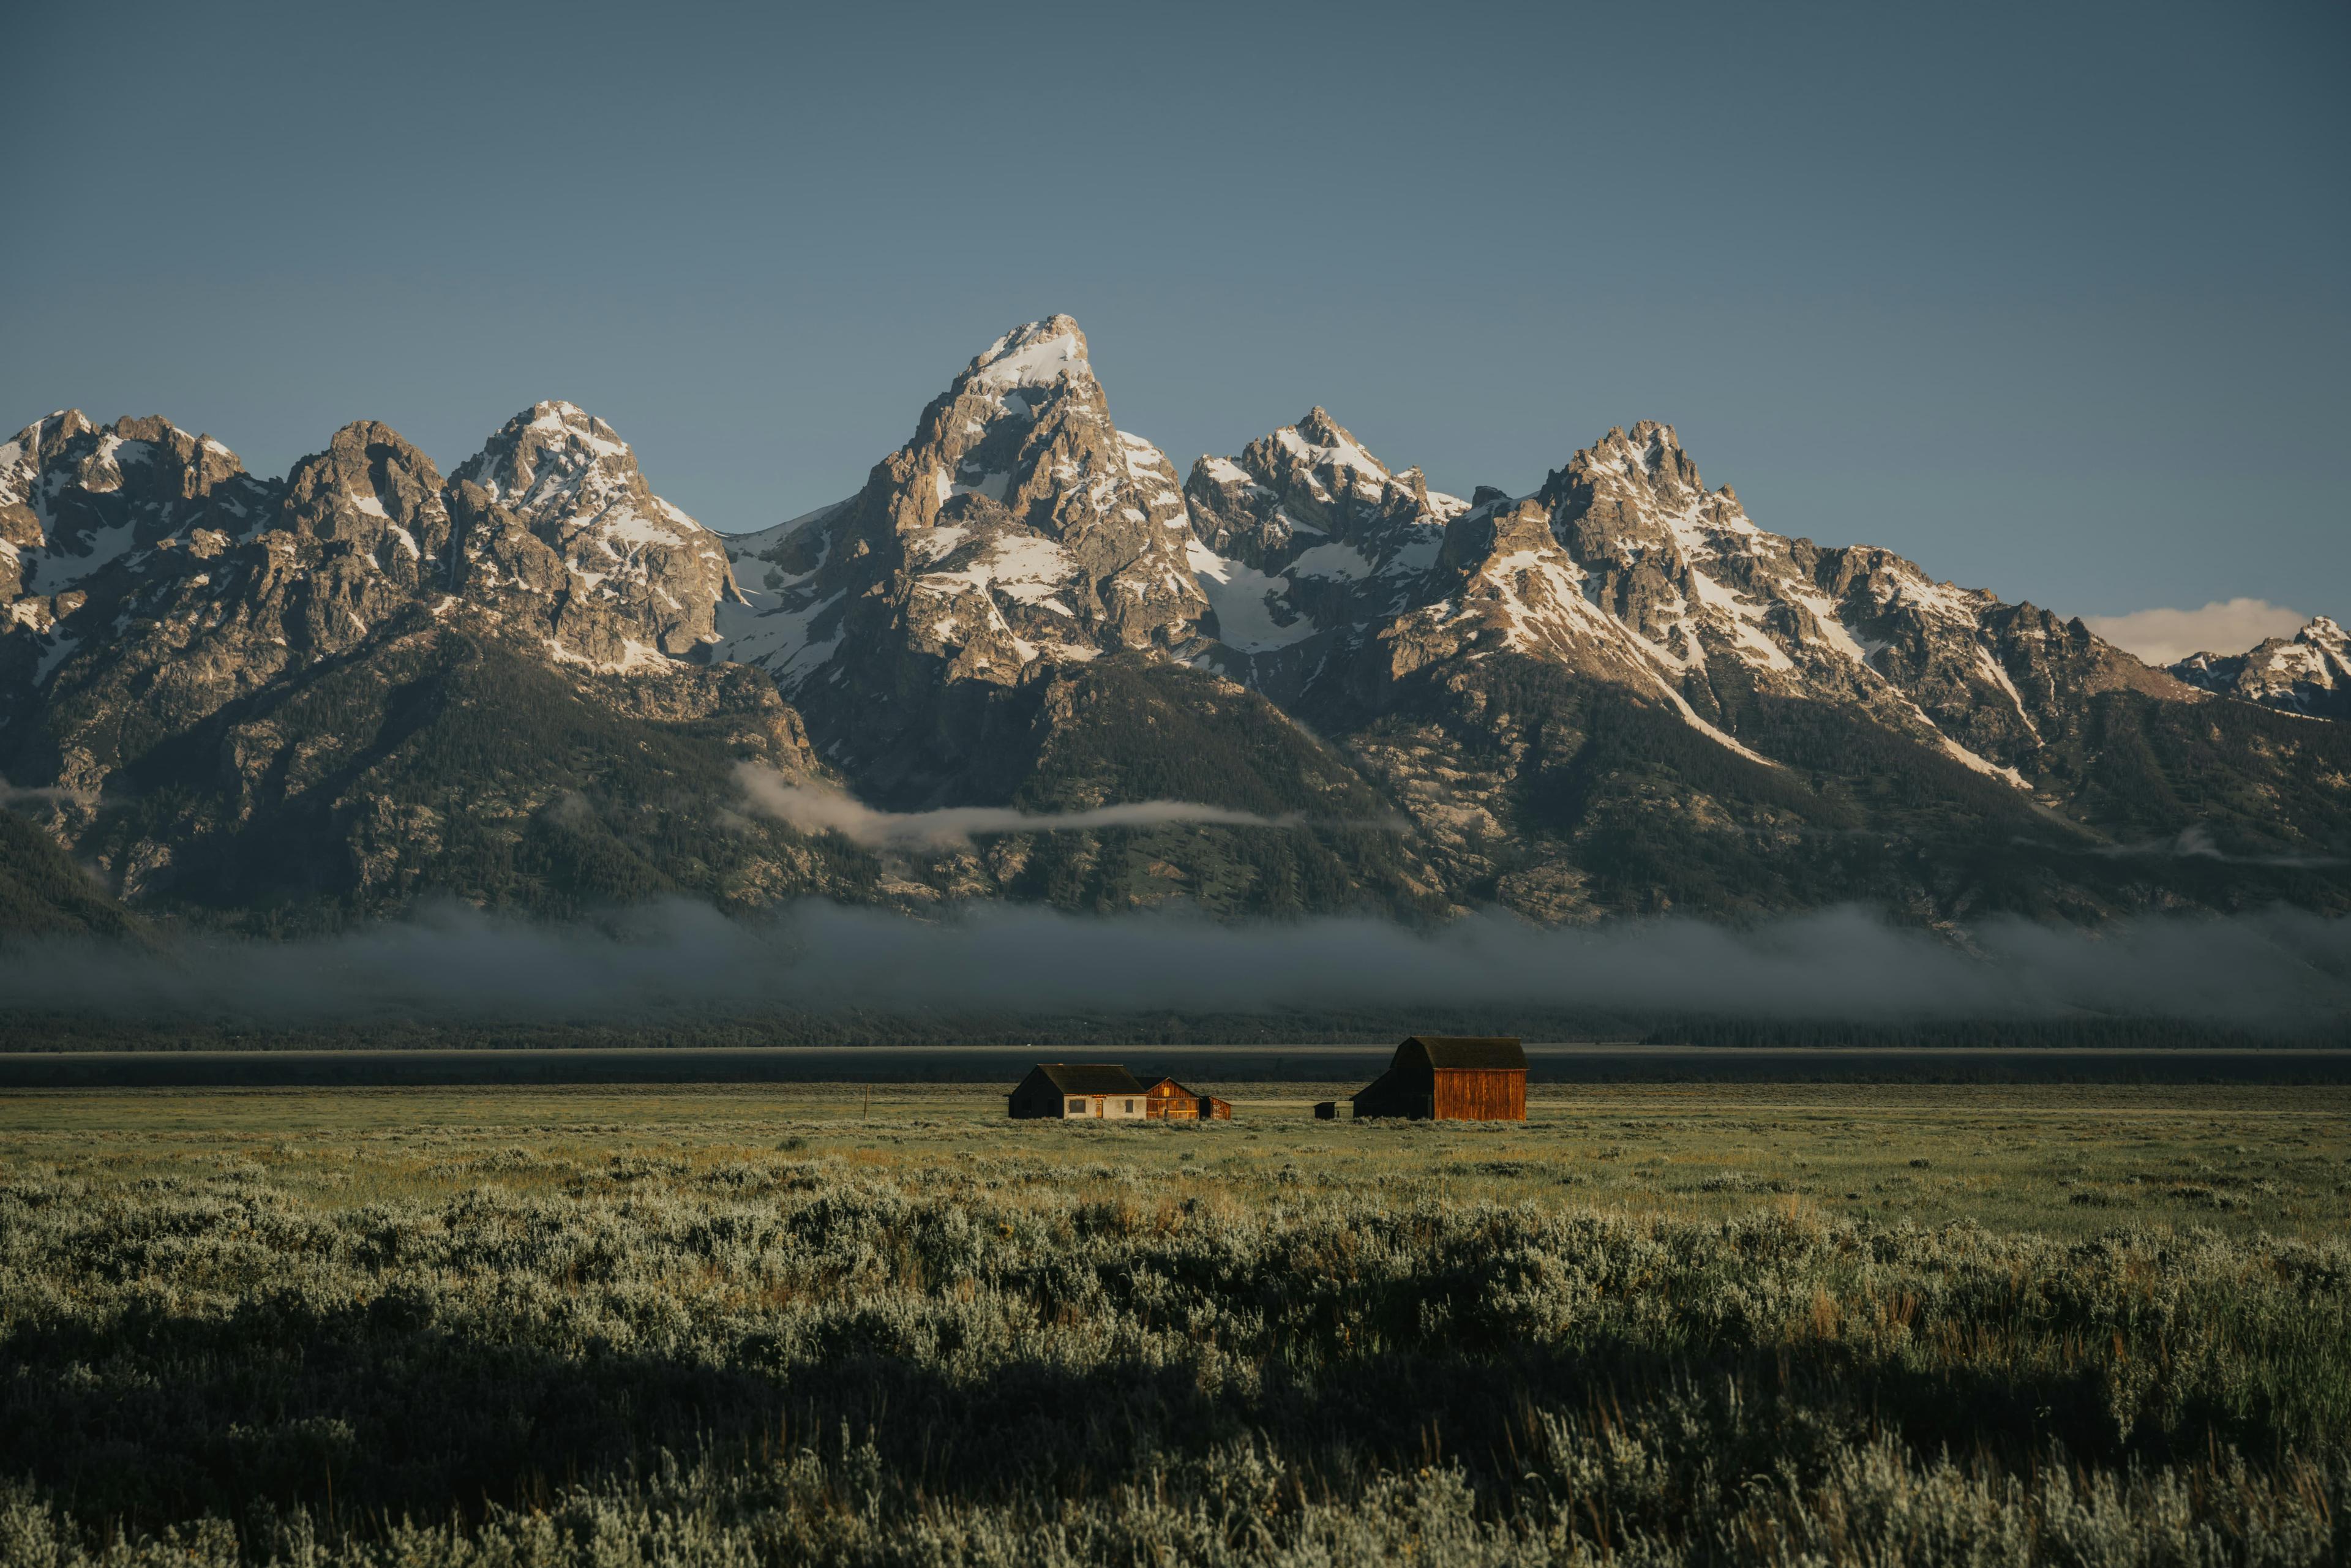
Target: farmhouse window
[1077,1107]
[1130,1105]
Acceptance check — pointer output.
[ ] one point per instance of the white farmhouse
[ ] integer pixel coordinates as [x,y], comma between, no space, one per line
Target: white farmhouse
[1070,1091]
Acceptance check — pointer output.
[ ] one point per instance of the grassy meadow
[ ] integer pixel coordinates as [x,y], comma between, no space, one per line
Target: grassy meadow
[1653,1325]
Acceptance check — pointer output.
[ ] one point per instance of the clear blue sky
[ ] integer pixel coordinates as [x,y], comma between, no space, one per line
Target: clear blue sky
[2051,297]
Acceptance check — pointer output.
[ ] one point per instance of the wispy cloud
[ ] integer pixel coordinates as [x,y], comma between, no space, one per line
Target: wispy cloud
[12,794]
[2197,843]
[2167,636]
[814,809]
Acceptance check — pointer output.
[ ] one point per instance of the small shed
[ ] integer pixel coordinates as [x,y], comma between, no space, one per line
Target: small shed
[1068,1090]
[1170,1100]
[1451,1078]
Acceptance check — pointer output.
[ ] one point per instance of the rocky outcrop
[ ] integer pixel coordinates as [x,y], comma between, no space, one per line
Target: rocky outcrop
[638,578]
[2308,673]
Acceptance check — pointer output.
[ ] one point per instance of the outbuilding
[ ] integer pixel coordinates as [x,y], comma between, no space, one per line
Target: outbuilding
[1069,1091]
[1451,1078]
[1170,1100]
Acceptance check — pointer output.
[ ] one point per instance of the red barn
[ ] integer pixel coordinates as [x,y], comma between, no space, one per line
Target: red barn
[1451,1078]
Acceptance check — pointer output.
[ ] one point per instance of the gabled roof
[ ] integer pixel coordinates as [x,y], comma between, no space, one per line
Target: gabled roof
[1090,1078]
[1171,1083]
[1463,1050]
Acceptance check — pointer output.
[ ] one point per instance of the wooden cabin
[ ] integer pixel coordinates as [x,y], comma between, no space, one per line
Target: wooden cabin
[1071,1091]
[1451,1078]
[1170,1100]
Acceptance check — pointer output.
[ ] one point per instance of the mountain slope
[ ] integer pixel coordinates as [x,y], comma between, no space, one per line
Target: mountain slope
[44,893]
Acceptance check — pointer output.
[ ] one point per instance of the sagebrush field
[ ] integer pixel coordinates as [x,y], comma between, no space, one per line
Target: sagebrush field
[1754,1325]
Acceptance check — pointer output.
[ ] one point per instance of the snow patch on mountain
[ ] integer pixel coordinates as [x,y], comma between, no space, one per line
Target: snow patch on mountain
[1035,355]
[1246,602]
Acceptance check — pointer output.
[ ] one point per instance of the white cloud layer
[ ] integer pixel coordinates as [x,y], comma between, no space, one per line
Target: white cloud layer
[2167,636]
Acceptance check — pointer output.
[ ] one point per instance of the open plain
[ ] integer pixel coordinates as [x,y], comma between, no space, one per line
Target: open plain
[822,1323]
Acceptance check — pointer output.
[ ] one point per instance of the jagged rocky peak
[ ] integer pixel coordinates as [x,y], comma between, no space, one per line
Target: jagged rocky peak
[1635,492]
[1624,566]
[1312,483]
[1010,430]
[373,490]
[1043,527]
[2308,673]
[200,586]
[1018,529]
[553,455]
[1320,445]
[1037,354]
[1303,540]
[75,497]
[650,577]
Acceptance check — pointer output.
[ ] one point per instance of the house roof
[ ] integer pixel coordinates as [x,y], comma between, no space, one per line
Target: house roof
[1179,1088]
[1462,1051]
[1090,1078]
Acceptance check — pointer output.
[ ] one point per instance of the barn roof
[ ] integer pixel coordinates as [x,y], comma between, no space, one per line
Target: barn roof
[1464,1051]
[1090,1078]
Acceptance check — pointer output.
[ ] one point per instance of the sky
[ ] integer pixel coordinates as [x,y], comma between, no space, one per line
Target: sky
[2052,300]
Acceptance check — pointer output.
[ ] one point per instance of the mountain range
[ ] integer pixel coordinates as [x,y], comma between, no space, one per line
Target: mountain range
[279,704]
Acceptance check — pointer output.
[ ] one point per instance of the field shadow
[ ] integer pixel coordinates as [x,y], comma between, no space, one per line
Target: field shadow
[381,1409]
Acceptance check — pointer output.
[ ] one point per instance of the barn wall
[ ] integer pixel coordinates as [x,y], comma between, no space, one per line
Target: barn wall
[1481,1094]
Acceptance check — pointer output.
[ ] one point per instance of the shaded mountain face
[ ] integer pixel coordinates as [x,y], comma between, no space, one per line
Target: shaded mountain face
[534,683]
[2308,673]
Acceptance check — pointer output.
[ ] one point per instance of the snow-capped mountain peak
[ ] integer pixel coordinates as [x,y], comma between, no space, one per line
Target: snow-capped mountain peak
[569,478]
[75,497]
[1017,531]
[553,457]
[1035,354]
[1302,541]
[2308,673]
